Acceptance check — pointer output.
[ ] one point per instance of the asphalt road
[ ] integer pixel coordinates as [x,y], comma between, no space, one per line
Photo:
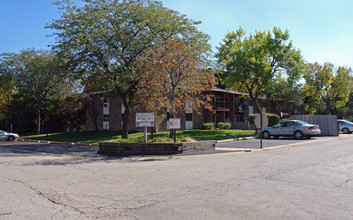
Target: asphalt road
[311,179]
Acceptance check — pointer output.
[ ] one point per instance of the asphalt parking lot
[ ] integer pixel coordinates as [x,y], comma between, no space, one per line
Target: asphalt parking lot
[47,148]
[222,147]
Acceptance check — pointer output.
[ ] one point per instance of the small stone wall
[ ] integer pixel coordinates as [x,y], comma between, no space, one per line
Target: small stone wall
[123,149]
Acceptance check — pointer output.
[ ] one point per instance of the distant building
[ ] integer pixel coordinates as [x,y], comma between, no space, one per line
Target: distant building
[228,106]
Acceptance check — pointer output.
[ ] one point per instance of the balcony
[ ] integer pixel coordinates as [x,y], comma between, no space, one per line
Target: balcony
[241,108]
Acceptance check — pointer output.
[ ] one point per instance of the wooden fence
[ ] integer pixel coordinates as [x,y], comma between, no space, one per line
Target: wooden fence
[328,123]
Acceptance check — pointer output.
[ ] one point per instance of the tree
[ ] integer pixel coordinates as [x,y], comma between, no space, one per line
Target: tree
[287,95]
[326,88]
[107,38]
[173,78]
[37,75]
[6,93]
[251,63]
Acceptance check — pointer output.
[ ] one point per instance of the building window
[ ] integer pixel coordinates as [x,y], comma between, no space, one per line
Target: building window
[188,116]
[105,117]
[237,118]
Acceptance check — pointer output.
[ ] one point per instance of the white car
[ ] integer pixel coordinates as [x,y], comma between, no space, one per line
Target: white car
[296,128]
[8,136]
[345,126]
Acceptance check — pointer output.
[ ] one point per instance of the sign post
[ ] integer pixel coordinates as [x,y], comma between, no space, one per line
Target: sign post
[174,123]
[145,120]
[261,121]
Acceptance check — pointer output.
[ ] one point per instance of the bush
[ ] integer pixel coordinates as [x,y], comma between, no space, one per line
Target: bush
[223,125]
[208,126]
[272,119]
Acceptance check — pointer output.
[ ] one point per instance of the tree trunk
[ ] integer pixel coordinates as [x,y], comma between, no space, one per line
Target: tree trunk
[171,133]
[125,131]
[95,120]
[39,106]
[256,104]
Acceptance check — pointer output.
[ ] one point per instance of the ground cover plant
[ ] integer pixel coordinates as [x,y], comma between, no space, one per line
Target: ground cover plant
[94,137]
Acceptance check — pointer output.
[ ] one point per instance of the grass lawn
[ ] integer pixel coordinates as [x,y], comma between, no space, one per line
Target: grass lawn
[94,137]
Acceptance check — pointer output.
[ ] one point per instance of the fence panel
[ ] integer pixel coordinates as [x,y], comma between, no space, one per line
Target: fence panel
[327,123]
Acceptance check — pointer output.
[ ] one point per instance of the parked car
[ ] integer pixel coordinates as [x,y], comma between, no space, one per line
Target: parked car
[296,128]
[8,136]
[345,126]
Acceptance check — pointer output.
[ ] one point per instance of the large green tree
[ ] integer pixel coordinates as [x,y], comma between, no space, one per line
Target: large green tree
[37,75]
[326,88]
[107,38]
[251,63]
[287,94]
[7,91]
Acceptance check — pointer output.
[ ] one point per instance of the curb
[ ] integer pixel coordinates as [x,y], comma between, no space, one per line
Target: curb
[55,142]
[235,139]
[296,144]
[245,138]
[226,140]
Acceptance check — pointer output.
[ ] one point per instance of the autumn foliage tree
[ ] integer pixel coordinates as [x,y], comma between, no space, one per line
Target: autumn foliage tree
[174,77]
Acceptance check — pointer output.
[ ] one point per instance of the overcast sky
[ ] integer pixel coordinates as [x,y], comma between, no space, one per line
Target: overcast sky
[321,29]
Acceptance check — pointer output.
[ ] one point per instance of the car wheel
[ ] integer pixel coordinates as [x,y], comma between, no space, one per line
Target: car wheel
[266,135]
[298,135]
[345,130]
[11,138]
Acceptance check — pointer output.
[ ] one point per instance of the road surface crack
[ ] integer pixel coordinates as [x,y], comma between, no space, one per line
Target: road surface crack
[50,198]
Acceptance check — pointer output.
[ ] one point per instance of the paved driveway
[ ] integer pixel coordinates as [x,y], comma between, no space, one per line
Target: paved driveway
[312,181]
[235,146]
[48,148]
[253,144]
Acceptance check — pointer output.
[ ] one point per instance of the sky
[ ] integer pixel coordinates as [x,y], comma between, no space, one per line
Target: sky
[321,29]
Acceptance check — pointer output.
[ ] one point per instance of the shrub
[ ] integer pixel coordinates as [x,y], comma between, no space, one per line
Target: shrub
[220,125]
[227,125]
[272,119]
[208,126]
[223,125]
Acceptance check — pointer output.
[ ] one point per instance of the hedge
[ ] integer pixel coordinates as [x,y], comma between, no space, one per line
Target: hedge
[208,126]
[223,125]
[272,119]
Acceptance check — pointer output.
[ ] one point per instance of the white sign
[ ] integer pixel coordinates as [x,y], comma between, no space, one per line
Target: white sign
[144,119]
[264,121]
[174,123]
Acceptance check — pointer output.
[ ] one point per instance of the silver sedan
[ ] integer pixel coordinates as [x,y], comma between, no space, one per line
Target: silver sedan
[345,126]
[8,136]
[296,128]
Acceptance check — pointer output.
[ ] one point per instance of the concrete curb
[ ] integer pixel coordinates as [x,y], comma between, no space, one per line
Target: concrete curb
[296,144]
[235,139]
[245,138]
[55,142]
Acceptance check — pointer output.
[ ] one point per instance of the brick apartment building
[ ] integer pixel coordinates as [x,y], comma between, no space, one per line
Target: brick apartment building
[228,106]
